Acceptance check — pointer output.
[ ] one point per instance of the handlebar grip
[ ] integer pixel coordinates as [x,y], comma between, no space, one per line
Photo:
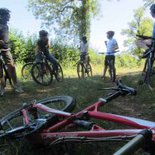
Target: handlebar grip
[136,143]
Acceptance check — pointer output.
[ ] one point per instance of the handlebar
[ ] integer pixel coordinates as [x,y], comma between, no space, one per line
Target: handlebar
[137,142]
[145,37]
[122,88]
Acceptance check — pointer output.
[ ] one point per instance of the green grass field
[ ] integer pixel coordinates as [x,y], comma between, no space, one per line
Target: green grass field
[85,91]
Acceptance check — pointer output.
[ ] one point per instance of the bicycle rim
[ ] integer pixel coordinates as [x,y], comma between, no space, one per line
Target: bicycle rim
[42,74]
[147,78]
[13,125]
[63,103]
[26,70]
[89,70]
[60,75]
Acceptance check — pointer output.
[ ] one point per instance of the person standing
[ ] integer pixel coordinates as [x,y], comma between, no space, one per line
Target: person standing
[109,61]
[5,51]
[83,48]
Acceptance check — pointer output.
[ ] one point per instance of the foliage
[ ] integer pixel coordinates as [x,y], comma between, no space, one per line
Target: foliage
[127,60]
[142,25]
[149,2]
[69,19]
[22,48]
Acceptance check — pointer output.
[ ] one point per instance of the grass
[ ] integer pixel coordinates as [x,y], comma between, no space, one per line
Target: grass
[85,91]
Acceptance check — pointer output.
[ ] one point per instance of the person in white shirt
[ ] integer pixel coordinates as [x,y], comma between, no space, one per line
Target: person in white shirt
[83,48]
[109,61]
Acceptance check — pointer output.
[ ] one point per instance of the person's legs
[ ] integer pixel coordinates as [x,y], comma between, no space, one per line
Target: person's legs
[38,57]
[105,67]
[11,70]
[52,59]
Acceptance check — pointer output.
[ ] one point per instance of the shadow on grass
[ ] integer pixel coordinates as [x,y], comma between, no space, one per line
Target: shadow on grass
[86,92]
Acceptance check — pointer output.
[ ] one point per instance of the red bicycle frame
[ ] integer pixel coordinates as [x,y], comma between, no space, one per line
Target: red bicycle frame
[56,134]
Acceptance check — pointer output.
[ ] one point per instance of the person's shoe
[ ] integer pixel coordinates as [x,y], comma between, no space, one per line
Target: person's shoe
[18,89]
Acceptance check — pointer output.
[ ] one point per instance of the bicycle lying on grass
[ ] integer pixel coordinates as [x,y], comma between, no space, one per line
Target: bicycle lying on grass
[42,125]
[84,68]
[42,72]
[149,55]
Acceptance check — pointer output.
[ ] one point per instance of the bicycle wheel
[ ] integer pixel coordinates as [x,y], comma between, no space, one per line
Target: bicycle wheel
[26,70]
[89,70]
[42,74]
[80,70]
[13,126]
[147,77]
[59,76]
[63,103]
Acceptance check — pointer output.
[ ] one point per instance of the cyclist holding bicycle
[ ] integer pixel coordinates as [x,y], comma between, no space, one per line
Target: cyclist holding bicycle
[112,46]
[147,43]
[43,46]
[83,48]
[4,38]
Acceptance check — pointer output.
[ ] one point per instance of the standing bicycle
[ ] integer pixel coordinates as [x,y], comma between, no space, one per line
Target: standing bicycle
[149,55]
[46,64]
[42,71]
[83,66]
[112,46]
[148,44]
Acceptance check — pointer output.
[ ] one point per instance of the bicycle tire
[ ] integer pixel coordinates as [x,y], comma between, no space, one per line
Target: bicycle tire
[42,74]
[26,70]
[89,70]
[147,77]
[80,70]
[13,126]
[59,77]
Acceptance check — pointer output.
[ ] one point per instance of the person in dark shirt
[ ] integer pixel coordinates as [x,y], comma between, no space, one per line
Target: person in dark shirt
[43,46]
[5,51]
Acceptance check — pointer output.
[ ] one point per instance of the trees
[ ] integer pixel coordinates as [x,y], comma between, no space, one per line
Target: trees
[142,25]
[149,2]
[69,19]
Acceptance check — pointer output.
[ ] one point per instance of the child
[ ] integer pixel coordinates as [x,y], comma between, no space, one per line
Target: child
[83,48]
[112,46]
[43,46]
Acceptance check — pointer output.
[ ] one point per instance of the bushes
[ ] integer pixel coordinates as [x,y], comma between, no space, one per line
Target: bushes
[23,50]
[127,60]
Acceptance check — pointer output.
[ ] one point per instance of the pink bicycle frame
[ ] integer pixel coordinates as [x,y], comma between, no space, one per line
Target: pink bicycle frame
[50,134]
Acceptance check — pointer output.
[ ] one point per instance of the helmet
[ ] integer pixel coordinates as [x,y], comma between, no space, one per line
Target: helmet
[43,33]
[152,8]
